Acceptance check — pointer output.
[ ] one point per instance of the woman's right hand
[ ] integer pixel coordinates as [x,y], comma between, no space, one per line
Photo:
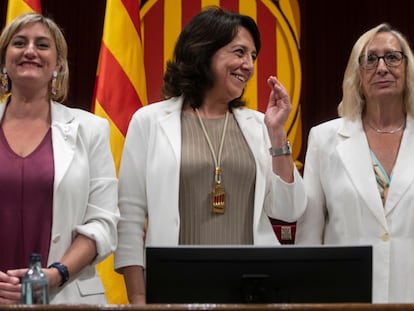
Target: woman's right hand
[10,288]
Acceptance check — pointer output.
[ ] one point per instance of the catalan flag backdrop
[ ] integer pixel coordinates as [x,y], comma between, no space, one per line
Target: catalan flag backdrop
[120,89]
[139,39]
[17,7]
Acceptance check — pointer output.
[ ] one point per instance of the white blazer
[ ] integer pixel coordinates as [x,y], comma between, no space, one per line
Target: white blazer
[344,204]
[149,181]
[84,196]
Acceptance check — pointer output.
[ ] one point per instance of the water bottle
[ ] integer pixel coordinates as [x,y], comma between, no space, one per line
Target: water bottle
[35,285]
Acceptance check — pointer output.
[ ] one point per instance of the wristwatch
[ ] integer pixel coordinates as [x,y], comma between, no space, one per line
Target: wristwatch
[286,149]
[63,271]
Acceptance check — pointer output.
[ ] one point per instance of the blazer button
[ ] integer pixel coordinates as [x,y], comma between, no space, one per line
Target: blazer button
[385,237]
[56,238]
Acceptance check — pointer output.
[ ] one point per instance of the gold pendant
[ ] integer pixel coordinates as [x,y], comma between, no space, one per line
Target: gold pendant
[217,199]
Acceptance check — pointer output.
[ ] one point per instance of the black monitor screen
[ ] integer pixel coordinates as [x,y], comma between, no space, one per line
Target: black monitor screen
[250,274]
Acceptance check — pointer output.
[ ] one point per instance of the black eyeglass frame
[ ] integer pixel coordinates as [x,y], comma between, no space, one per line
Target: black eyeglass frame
[383,57]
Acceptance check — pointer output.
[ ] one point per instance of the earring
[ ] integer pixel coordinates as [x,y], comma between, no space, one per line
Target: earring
[54,83]
[4,80]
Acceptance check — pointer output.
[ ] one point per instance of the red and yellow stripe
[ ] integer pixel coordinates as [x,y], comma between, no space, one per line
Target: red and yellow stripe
[120,89]
[17,7]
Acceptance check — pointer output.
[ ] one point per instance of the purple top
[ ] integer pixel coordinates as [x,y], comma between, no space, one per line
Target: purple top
[26,205]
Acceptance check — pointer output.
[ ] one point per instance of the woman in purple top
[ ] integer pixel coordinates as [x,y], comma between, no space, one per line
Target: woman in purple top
[58,185]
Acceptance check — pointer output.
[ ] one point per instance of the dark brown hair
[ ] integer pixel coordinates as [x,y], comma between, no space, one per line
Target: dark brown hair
[188,73]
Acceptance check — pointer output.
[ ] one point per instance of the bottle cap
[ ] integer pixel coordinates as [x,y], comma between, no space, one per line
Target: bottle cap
[35,257]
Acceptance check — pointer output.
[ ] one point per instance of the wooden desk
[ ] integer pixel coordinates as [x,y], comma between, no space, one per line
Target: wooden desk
[214,307]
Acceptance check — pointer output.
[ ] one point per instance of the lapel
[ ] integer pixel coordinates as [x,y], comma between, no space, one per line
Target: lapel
[64,133]
[252,131]
[403,172]
[355,156]
[170,123]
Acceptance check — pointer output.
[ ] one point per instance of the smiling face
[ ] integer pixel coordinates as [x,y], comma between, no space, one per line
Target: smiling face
[383,80]
[232,66]
[31,57]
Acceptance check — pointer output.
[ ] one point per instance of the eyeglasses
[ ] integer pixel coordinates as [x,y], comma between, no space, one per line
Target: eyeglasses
[391,59]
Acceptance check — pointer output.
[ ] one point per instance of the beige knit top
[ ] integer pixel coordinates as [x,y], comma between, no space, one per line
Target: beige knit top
[199,225]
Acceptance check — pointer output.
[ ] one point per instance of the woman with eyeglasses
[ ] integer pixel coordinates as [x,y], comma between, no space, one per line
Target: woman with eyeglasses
[359,172]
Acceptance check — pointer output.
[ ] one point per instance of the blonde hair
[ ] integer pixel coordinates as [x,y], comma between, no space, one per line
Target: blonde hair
[353,100]
[21,21]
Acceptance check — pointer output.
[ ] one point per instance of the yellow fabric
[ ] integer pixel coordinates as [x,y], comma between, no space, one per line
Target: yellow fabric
[17,7]
[122,39]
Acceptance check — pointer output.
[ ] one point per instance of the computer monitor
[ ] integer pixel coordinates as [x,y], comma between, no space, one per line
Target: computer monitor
[251,274]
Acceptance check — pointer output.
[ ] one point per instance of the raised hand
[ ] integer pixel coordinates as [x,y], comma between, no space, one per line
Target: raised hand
[278,107]
[276,115]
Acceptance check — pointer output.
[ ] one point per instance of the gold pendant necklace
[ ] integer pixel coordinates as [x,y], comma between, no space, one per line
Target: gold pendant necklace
[218,194]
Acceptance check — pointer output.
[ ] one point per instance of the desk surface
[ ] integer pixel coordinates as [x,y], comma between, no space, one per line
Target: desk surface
[215,307]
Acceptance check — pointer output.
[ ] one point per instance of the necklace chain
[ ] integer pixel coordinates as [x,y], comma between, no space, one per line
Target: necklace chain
[380,131]
[217,159]
[217,194]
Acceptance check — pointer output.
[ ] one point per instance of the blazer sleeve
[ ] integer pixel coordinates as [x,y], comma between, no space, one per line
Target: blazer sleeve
[310,226]
[290,198]
[132,195]
[102,214]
